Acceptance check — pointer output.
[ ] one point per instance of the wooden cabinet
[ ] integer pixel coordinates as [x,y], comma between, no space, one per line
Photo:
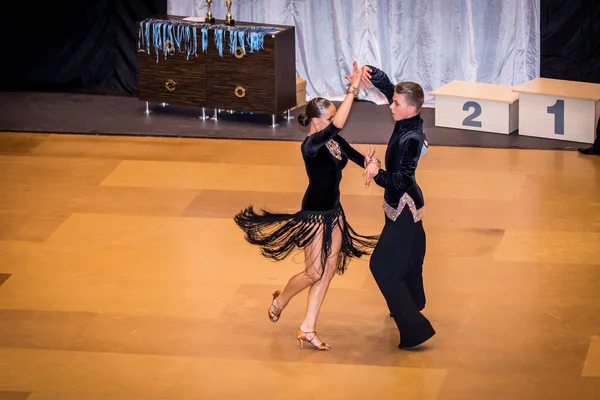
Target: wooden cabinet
[262,81]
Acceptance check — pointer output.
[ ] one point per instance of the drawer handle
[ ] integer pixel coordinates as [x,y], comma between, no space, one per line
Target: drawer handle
[170,85]
[240,92]
[239,52]
[170,47]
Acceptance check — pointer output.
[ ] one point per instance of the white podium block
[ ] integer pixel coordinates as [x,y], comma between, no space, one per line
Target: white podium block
[559,109]
[477,106]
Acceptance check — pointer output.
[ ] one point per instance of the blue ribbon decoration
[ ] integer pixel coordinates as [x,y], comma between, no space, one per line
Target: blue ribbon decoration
[155,34]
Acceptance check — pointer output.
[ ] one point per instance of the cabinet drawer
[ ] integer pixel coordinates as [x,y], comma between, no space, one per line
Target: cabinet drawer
[240,97]
[175,79]
[259,65]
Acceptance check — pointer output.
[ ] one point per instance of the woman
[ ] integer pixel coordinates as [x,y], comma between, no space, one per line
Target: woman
[320,227]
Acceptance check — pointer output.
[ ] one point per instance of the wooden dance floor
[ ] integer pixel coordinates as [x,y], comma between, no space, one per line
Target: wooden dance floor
[124,277]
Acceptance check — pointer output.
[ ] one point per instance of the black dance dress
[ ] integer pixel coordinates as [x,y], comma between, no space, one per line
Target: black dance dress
[325,155]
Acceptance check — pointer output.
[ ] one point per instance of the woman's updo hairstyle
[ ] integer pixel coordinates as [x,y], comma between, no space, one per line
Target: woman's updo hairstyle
[314,109]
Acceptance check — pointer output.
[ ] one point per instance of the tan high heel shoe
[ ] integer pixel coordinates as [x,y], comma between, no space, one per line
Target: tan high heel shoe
[274,316]
[309,337]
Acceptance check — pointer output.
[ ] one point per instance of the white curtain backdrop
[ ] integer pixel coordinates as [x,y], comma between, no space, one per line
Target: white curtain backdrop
[430,42]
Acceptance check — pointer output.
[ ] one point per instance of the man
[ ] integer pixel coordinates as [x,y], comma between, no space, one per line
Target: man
[595,148]
[397,261]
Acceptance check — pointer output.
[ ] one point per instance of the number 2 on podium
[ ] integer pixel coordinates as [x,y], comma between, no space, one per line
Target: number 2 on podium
[558,109]
[470,119]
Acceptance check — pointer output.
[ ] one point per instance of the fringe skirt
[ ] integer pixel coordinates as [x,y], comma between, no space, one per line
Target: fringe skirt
[278,235]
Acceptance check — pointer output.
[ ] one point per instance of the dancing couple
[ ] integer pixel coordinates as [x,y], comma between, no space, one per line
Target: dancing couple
[320,228]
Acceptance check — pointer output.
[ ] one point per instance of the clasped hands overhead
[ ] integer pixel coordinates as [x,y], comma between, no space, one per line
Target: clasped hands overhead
[372,164]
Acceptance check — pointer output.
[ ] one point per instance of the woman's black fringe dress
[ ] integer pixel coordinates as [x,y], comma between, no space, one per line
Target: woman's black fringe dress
[325,154]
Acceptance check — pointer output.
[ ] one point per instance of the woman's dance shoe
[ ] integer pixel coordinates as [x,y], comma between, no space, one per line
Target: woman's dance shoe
[276,313]
[310,337]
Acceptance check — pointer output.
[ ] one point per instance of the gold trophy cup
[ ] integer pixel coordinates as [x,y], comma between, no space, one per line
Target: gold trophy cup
[209,16]
[228,17]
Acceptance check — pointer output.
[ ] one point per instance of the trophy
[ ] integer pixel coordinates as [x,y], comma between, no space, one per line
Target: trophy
[228,17]
[209,17]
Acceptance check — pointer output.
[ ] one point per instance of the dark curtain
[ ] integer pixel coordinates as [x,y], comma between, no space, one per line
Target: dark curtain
[570,40]
[74,45]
